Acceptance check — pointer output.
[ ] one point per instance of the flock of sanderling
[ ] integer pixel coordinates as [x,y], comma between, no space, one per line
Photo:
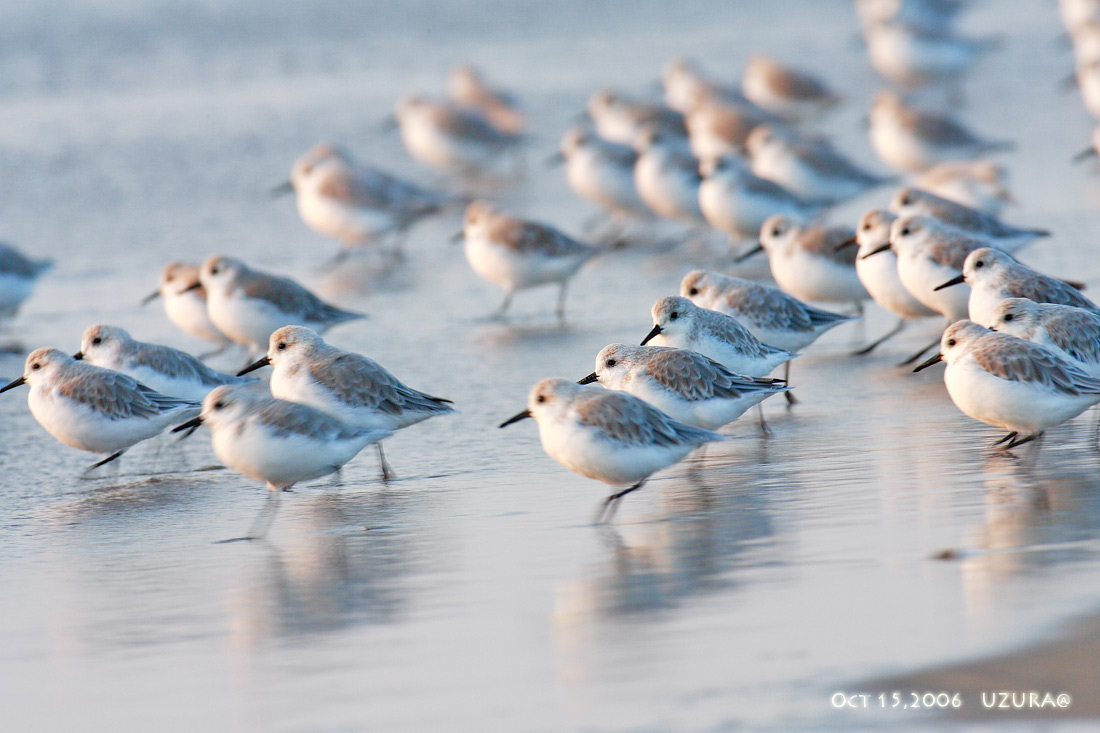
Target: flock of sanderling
[1022,349]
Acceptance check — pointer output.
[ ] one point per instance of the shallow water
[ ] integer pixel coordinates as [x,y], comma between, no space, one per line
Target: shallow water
[737,590]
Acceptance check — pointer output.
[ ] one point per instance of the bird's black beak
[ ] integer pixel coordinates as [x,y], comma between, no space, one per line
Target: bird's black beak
[876,250]
[515,418]
[554,160]
[189,425]
[649,336]
[12,384]
[193,286]
[79,356]
[254,366]
[952,281]
[750,253]
[150,297]
[589,379]
[934,360]
[1085,155]
[844,245]
[458,237]
[282,189]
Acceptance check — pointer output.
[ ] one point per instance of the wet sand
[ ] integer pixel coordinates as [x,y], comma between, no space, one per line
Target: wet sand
[1068,664]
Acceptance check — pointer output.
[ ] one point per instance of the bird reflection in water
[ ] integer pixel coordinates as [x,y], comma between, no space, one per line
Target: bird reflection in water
[705,530]
[1034,519]
[341,561]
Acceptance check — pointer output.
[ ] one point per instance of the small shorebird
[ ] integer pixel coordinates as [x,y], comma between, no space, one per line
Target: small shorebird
[349,386]
[517,254]
[607,435]
[93,409]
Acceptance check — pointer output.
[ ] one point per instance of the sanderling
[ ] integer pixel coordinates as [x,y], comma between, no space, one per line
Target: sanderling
[913,201]
[169,371]
[880,274]
[607,435]
[602,172]
[468,87]
[808,262]
[622,120]
[812,170]
[994,275]
[718,127]
[910,139]
[248,305]
[346,385]
[1073,333]
[517,254]
[736,201]
[769,314]
[667,177]
[354,203]
[910,56]
[978,184]
[685,385]
[185,304]
[679,323]
[1011,383]
[452,138]
[686,86]
[790,93]
[18,274]
[277,441]
[929,253]
[93,409]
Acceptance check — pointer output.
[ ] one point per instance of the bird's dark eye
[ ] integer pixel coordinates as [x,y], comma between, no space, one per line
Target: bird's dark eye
[611,362]
[905,231]
[1008,316]
[693,291]
[213,270]
[540,399]
[776,232]
[281,346]
[951,342]
[673,316]
[36,367]
[905,201]
[97,341]
[978,264]
[867,226]
[219,405]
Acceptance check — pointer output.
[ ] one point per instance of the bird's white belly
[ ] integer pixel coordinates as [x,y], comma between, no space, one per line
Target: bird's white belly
[343,221]
[898,148]
[81,427]
[512,270]
[813,278]
[879,274]
[188,311]
[582,450]
[921,275]
[1023,407]
[281,461]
